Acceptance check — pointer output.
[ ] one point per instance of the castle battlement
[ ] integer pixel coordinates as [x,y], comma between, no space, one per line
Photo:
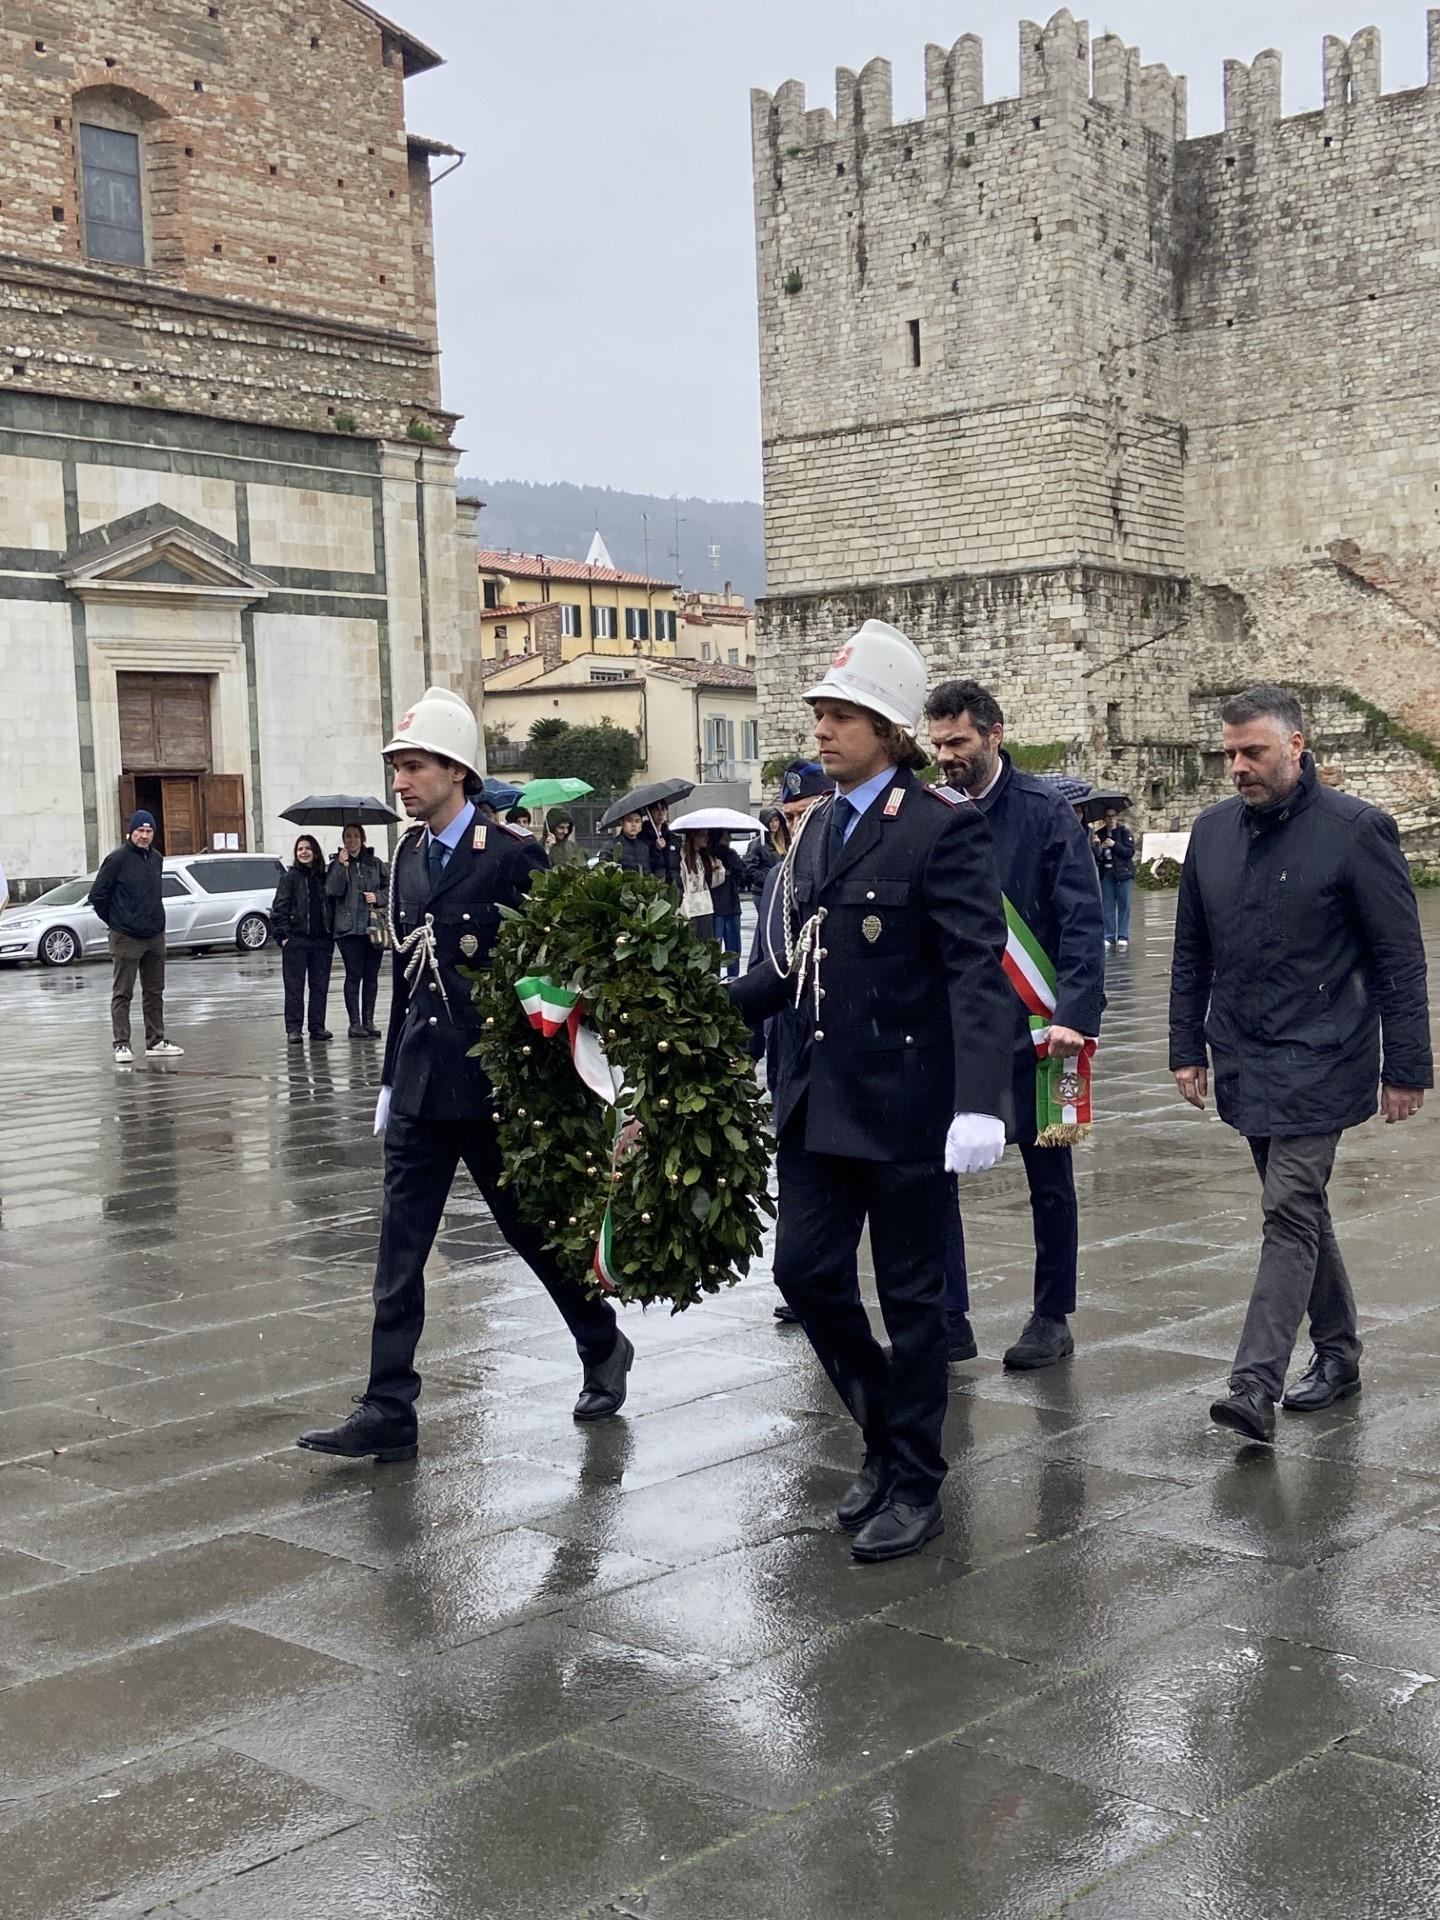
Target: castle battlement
[1060,60]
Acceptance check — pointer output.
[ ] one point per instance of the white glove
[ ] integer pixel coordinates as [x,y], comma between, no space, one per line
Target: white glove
[382,1110]
[975,1141]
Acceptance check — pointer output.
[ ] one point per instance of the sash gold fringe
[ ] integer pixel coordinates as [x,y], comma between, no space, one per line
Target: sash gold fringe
[1063,1134]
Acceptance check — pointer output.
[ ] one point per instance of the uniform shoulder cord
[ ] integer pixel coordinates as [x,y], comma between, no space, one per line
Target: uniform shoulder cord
[803,951]
[416,950]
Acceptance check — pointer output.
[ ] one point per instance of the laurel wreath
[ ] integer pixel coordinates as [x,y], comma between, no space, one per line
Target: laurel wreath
[686,1193]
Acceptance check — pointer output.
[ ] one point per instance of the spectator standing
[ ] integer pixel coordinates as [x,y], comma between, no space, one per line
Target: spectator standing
[303,916]
[765,851]
[700,872]
[1115,857]
[634,847]
[358,886]
[1297,948]
[565,850]
[127,896]
[725,899]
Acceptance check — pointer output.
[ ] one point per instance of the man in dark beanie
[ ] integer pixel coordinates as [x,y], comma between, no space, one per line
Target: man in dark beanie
[126,896]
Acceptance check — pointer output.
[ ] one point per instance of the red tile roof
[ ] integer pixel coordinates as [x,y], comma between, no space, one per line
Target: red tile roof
[705,673]
[525,607]
[546,566]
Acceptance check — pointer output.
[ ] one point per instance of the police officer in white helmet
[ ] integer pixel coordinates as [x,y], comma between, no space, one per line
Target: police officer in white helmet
[893,1069]
[452,873]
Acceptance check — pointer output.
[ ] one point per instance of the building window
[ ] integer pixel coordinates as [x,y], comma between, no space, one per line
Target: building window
[704,649]
[572,621]
[602,623]
[490,593]
[501,631]
[914,343]
[665,624]
[637,623]
[111,195]
[611,674]
[750,739]
[732,658]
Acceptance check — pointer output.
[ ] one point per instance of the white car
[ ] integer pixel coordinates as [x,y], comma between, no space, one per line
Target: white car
[211,900]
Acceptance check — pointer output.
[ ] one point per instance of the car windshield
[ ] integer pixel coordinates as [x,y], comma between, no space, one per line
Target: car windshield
[69,894]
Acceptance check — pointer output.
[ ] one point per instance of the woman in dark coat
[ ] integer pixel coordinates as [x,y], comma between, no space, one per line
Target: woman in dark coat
[303,920]
[358,887]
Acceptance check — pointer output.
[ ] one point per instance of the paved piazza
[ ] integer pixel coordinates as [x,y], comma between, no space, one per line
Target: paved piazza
[631,1669]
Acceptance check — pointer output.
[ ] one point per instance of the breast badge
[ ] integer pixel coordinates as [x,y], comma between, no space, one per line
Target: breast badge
[469,945]
[870,927]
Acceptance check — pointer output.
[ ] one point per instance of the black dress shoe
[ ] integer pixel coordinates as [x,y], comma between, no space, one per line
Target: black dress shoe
[959,1337]
[1326,1380]
[605,1386]
[1248,1412]
[897,1529]
[356,1032]
[321,1033]
[866,1494]
[370,1030]
[295,1037]
[786,1314]
[1042,1342]
[367,1431]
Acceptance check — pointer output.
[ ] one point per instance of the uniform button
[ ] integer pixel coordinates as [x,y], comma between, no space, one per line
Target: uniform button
[433,1021]
[869,896]
[819,1033]
[820,993]
[433,987]
[909,1039]
[464,916]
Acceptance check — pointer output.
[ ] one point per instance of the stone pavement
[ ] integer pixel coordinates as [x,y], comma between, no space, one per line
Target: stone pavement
[631,1669]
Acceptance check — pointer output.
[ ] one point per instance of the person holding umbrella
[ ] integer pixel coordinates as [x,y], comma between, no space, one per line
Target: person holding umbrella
[358,885]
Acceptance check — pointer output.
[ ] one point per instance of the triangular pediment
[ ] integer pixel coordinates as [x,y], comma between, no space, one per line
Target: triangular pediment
[158,553]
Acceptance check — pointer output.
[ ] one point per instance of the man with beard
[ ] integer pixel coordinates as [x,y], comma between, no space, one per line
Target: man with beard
[1047,874]
[1297,946]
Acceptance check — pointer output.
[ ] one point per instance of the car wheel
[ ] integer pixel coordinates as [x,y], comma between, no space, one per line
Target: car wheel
[58,948]
[253,933]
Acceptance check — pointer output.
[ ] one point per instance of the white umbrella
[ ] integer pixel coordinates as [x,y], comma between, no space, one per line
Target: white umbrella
[716,820]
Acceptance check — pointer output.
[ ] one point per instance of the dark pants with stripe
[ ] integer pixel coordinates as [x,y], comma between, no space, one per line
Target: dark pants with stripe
[421,1159]
[1056,1216]
[897,1399]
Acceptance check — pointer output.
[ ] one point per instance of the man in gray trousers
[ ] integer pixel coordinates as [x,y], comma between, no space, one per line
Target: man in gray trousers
[1297,944]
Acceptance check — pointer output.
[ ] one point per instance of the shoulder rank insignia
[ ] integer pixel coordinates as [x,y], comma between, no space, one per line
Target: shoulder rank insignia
[894,803]
[948,795]
[515,833]
[477,839]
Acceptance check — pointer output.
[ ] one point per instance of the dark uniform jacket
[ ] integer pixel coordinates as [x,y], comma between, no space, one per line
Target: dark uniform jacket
[427,1046]
[126,894]
[916,1020]
[1047,873]
[1296,939]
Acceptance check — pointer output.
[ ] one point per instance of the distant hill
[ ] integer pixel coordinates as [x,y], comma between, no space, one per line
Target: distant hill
[560,518]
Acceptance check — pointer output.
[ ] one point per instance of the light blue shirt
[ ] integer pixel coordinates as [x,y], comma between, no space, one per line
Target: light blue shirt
[451,836]
[864,796]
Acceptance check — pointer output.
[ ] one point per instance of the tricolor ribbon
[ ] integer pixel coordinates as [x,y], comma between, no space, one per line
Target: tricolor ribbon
[551,1010]
[1062,1087]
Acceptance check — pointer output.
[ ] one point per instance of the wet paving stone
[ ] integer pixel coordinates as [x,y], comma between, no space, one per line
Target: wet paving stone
[41,1432]
[784,1730]
[946,1833]
[489,1852]
[437,1722]
[124,1843]
[1368,1843]
[1196,1717]
[1379,1602]
[135,1459]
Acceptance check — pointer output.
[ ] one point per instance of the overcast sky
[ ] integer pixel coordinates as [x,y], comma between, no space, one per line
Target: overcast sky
[596,250]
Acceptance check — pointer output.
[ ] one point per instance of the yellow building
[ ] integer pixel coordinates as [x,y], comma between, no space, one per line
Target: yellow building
[693,719]
[600,608]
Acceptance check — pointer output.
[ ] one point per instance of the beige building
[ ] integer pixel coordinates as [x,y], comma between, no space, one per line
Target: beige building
[598,608]
[718,627]
[694,720]
[231,551]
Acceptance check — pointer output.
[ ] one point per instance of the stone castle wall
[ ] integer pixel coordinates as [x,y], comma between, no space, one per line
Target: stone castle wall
[1194,377]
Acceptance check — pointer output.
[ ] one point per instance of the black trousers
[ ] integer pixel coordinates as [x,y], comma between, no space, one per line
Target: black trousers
[1056,1216]
[421,1158]
[362,975]
[898,1401]
[303,960]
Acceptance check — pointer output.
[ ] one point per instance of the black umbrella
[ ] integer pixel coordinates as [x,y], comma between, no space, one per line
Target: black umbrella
[340,810]
[657,793]
[1100,802]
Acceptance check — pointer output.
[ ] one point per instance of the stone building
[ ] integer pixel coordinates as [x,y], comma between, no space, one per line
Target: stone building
[1113,419]
[231,550]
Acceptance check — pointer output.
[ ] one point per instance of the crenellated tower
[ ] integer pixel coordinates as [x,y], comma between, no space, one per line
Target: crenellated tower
[1031,366]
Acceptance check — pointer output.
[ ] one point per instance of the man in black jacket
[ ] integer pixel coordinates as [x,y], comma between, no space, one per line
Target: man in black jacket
[127,896]
[1047,874]
[1297,944]
[452,873]
[892,1058]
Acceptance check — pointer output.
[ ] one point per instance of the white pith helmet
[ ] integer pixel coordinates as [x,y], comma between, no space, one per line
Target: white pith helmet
[880,669]
[439,722]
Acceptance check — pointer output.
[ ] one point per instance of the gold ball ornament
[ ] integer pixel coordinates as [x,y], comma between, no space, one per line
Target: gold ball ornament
[722,1181]
[522,1113]
[663,1105]
[617,1178]
[489,1019]
[536,1127]
[574,1221]
[496,1118]
[645,1219]
[622,939]
[664,1046]
[674,1179]
[610,1033]
[552,1224]
[526,1052]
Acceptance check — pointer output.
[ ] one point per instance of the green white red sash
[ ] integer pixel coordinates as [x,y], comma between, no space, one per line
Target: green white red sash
[551,1010]
[1062,1087]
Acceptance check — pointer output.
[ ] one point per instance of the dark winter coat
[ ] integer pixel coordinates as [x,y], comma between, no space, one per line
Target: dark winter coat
[302,906]
[757,862]
[1118,860]
[1297,942]
[126,894]
[346,886]
[915,1022]
[1048,875]
[725,891]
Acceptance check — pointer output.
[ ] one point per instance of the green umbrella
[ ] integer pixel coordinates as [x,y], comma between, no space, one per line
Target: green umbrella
[551,793]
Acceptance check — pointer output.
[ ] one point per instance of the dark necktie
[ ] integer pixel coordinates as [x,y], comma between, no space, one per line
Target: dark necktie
[840,813]
[435,861]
